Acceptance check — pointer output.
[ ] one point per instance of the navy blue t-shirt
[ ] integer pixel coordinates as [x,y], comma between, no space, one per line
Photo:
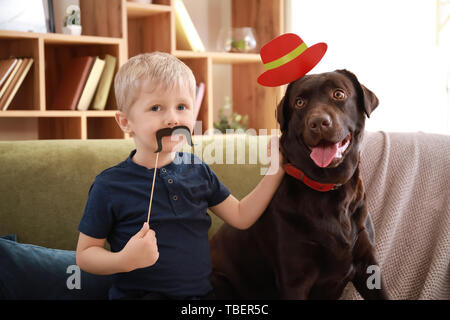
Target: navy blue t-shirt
[117,207]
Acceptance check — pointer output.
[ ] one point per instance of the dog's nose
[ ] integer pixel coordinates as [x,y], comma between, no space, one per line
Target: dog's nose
[319,123]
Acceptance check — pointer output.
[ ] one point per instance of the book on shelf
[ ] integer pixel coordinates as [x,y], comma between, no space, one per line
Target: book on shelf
[102,93]
[8,79]
[91,84]
[6,66]
[200,93]
[186,33]
[74,77]
[15,83]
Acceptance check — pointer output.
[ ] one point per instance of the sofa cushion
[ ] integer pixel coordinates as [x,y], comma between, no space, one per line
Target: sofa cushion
[33,272]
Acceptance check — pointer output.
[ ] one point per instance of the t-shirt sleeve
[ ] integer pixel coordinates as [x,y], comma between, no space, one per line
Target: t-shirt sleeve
[97,219]
[218,191]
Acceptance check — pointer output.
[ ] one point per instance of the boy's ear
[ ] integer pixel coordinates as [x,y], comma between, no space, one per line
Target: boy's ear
[122,121]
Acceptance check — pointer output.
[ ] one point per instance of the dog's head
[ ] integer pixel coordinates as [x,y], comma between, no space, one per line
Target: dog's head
[322,120]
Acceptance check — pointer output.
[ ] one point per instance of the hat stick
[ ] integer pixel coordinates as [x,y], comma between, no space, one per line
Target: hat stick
[153,187]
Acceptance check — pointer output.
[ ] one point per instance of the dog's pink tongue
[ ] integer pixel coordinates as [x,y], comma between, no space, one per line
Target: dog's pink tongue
[322,155]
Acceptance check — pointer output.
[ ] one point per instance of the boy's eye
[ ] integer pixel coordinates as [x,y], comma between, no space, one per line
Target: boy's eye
[155,108]
[182,107]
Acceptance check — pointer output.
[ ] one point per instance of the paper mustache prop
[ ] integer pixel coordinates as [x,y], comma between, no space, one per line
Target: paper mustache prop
[171,131]
[159,135]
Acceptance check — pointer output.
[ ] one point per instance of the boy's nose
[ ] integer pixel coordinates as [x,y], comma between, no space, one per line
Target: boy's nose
[171,119]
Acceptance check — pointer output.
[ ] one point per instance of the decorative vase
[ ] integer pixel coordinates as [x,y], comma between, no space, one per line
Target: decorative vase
[237,40]
[72,29]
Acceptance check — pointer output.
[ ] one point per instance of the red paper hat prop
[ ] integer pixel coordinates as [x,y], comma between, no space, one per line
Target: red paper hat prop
[287,58]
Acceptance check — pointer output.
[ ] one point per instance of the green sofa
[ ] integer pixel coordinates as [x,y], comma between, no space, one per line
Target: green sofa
[44,188]
[45,183]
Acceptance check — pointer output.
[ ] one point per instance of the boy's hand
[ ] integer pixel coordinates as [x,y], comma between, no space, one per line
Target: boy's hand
[141,250]
[276,159]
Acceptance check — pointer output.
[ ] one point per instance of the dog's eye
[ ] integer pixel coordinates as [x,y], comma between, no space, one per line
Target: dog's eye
[300,102]
[339,94]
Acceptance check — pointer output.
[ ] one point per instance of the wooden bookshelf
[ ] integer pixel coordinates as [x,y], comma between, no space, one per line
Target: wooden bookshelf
[125,29]
[138,10]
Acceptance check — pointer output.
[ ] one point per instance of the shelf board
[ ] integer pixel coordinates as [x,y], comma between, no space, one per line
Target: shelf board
[139,10]
[59,38]
[228,57]
[99,114]
[55,113]
[7,34]
[189,54]
[220,57]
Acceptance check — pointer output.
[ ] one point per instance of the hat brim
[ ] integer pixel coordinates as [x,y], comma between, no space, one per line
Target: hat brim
[294,69]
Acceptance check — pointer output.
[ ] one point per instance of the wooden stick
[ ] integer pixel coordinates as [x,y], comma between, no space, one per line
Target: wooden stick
[153,187]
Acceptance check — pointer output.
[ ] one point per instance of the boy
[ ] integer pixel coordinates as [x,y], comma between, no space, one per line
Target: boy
[171,259]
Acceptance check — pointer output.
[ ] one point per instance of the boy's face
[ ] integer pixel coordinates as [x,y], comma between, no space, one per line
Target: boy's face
[156,108]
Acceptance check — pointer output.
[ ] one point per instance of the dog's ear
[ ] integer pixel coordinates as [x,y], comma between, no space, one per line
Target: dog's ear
[370,101]
[282,113]
[279,113]
[367,99]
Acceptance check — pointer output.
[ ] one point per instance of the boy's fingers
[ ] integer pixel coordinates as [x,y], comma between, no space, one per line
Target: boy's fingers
[274,140]
[150,234]
[269,147]
[273,143]
[141,233]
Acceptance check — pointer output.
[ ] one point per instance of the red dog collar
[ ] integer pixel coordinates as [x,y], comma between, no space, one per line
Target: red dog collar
[300,175]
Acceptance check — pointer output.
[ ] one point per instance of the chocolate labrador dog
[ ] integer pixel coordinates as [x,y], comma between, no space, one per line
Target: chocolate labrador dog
[316,235]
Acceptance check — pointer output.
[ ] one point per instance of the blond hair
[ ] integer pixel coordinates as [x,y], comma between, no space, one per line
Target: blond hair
[166,70]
